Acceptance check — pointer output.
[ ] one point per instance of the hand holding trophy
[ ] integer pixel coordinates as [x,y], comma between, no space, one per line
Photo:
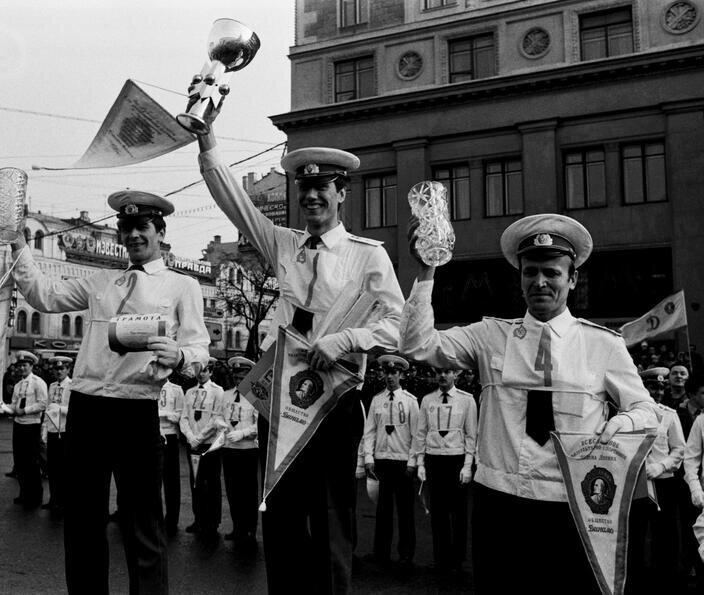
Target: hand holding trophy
[13,190]
[434,234]
[231,46]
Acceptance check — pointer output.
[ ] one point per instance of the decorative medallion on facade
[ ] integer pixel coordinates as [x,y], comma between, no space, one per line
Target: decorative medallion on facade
[680,17]
[535,43]
[409,65]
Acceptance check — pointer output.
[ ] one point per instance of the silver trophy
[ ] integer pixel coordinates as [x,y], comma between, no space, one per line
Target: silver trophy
[231,46]
[13,190]
[435,236]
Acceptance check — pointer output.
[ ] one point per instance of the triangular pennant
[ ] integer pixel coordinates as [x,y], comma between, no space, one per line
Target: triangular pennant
[600,480]
[136,129]
[301,398]
[217,443]
[257,385]
[195,462]
[54,416]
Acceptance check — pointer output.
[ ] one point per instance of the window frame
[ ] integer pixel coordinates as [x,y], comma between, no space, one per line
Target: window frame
[361,12]
[643,158]
[35,324]
[584,163]
[452,75]
[608,53]
[356,73]
[383,197]
[505,172]
[452,199]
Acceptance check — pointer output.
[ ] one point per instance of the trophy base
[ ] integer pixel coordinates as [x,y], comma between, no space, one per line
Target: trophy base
[194,124]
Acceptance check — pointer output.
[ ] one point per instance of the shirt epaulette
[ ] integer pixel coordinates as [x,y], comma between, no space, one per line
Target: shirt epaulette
[463,393]
[595,325]
[298,231]
[368,241]
[510,321]
[411,395]
[665,407]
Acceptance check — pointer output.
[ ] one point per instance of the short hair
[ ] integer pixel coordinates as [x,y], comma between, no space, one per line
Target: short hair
[543,255]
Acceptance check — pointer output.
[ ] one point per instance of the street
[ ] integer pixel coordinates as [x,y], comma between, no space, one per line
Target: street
[31,550]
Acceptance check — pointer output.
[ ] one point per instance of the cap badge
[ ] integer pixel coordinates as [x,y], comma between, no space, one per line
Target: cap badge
[311,168]
[131,209]
[543,239]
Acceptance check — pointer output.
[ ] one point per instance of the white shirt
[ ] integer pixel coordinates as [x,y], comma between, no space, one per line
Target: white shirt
[588,364]
[401,413]
[59,396]
[171,400]
[693,453]
[207,401]
[457,417]
[239,415]
[33,390]
[668,448]
[98,369]
[313,279]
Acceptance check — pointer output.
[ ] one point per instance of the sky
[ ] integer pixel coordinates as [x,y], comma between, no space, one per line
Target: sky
[70,58]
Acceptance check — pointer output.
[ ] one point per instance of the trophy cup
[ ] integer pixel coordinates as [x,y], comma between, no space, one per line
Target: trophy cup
[435,236]
[231,46]
[13,189]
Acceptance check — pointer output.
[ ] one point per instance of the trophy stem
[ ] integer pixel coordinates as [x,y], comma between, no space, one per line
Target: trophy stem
[194,123]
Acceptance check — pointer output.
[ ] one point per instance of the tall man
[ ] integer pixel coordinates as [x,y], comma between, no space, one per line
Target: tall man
[240,458]
[388,434]
[170,409]
[308,532]
[544,371]
[113,423]
[29,399]
[55,424]
[444,445]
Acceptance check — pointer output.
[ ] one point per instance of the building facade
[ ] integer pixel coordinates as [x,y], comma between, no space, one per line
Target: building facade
[590,108]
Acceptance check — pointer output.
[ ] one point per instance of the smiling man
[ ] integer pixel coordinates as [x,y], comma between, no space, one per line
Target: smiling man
[545,371]
[112,425]
[309,522]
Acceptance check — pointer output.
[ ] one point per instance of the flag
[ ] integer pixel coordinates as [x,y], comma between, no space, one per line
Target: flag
[300,399]
[136,129]
[600,480]
[195,463]
[669,315]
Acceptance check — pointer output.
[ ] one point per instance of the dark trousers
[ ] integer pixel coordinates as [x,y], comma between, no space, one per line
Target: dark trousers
[240,468]
[394,485]
[26,442]
[107,436]
[448,509]
[206,490]
[172,481]
[308,526]
[56,467]
[690,555]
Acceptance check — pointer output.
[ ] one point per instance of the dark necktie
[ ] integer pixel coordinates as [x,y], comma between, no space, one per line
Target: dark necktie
[443,433]
[234,422]
[302,319]
[197,413]
[539,416]
[390,426]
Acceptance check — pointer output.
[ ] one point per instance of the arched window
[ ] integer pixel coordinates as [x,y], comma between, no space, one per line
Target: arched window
[27,235]
[39,239]
[238,340]
[36,323]
[22,322]
[239,277]
[78,326]
[66,325]
[228,339]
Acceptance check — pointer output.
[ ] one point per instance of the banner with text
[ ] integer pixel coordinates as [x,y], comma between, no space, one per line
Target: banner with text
[669,315]
[600,480]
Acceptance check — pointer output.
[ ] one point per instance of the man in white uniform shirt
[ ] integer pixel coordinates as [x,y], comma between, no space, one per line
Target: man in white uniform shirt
[55,424]
[240,458]
[388,433]
[545,371]
[202,406]
[308,534]
[444,445]
[29,400]
[170,409]
[113,423]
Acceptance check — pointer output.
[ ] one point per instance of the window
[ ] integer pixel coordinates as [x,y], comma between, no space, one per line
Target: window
[472,58]
[428,4]
[66,325]
[380,201]
[22,322]
[354,79]
[607,33]
[78,326]
[353,12]
[585,179]
[36,324]
[240,277]
[503,181]
[238,340]
[39,239]
[643,167]
[456,181]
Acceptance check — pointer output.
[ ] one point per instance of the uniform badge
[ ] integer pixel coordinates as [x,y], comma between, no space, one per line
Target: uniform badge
[301,256]
[131,209]
[311,168]
[260,391]
[121,281]
[543,239]
[305,388]
[519,332]
[599,489]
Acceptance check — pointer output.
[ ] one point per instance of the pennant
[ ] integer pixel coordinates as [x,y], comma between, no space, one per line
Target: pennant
[257,385]
[195,462]
[53,414]
[136,129]
[600,480]
[669,315]
[218,442]
[301,398]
